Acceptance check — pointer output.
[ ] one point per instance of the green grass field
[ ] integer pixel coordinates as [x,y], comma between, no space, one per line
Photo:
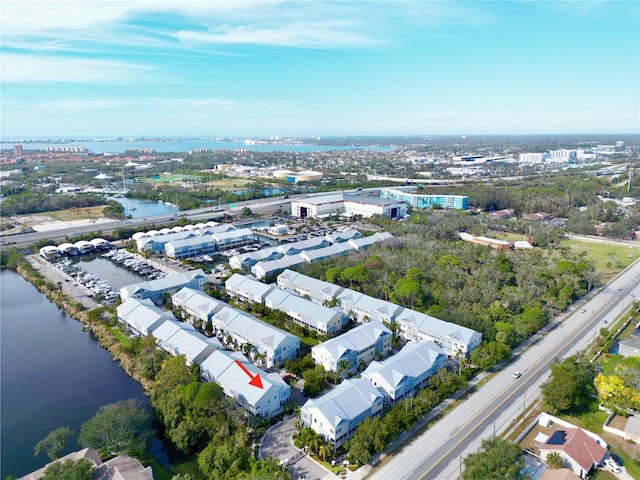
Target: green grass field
[610,258]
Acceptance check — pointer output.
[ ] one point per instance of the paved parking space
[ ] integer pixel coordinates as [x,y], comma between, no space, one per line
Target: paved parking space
[278,443]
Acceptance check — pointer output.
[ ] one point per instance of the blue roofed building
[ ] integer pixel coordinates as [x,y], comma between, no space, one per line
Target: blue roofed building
[195,304]
[155,289]
[453,339]
[403,374]
[223,368]
[356,348]
[336,414]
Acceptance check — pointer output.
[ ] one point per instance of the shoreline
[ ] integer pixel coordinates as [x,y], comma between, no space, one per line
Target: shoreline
[79,307]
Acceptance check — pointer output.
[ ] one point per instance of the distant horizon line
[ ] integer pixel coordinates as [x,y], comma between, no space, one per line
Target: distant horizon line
[12,138]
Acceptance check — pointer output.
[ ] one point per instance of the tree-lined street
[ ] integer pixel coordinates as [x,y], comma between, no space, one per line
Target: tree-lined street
[495,406]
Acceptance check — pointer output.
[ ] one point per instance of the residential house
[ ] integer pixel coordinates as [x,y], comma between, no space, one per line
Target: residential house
[142,317]
[196,305]
[403,374]
[580,451]
[453,339]
[233,372]
[121,467]
[336,414]
[155,289]
[353,349]
[239,329]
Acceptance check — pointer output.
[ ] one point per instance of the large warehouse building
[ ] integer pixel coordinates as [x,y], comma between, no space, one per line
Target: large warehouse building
[319,206]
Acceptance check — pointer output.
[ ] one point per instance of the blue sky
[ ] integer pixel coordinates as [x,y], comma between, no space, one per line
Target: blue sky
[312,68]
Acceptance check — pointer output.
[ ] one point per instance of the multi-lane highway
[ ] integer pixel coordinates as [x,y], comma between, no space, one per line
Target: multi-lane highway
[439,451]
[263,206]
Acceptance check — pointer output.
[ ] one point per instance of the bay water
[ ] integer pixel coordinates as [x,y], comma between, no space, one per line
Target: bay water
[53,374]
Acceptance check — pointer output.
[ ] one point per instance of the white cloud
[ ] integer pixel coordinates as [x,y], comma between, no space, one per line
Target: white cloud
[41,69]
[301,34]
[98,104]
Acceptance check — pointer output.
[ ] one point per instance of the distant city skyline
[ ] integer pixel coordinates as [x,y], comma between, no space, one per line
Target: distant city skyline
[303,69]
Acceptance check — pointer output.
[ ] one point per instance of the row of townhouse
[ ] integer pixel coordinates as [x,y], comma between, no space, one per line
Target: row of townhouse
[454,339]
[265,268]
[245,261]
[336,415]
[238,327]
[155,290]
[353,349]
[227,369]
[188,243]
[324,320]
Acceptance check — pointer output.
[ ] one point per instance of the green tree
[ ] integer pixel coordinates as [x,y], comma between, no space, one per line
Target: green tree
[554,460]
[570,386]
[69,470]
[496,459]
[314,381]
[53,444]
[120,427]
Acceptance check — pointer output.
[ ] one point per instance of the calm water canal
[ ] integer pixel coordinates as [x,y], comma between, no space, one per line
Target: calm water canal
[53,374]
[144,208]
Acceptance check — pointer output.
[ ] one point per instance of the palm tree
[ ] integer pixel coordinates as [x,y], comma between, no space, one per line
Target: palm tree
[343,368]
[325,451]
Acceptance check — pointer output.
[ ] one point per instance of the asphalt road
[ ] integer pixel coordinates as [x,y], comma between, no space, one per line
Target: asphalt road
[496,405]
[260,206]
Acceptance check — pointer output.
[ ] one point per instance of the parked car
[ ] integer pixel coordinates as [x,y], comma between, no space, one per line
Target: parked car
[617,459]
[612,466]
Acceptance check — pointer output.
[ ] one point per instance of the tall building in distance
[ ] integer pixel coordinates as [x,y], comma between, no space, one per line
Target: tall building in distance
[17,150]
[417,200]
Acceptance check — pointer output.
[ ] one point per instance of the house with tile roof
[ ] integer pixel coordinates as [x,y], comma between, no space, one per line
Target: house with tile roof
[122,467]
[336,414]
[357,348]
[581,452]
[403,374]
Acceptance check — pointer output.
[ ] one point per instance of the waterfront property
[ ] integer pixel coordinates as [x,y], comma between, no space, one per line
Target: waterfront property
[336,414]
[353,349]
[216,365]
[416,200]
[403,374]
[142,317]
[121,467]
[222,368]
[175,337]
[156,289]
[191,247]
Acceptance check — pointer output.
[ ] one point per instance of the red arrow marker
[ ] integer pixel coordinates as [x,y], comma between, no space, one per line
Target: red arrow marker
[255,381]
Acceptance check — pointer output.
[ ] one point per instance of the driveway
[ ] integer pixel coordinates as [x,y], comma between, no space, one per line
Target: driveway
[278,443]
